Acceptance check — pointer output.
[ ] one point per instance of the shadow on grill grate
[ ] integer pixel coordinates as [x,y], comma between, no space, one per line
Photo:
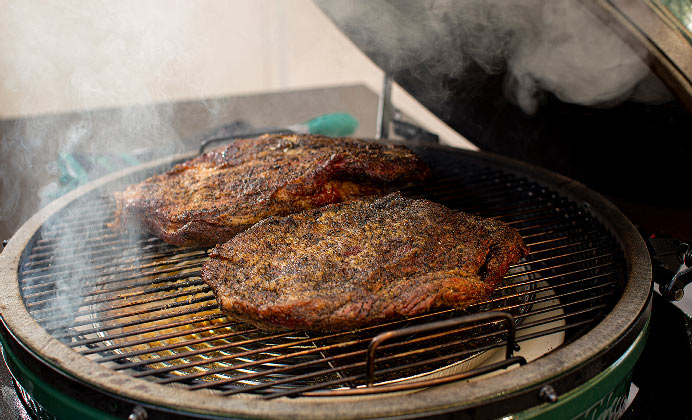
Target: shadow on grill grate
[139,306]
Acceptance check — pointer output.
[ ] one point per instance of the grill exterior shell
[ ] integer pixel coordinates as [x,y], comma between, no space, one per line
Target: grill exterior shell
[619,328]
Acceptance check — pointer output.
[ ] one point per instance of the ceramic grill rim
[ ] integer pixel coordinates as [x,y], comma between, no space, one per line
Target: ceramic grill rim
[624,322]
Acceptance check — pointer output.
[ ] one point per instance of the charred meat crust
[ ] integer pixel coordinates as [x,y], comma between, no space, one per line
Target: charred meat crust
[358,263]
[209,199]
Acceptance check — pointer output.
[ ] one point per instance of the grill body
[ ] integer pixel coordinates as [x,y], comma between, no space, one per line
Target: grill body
[604,395]
[146,331]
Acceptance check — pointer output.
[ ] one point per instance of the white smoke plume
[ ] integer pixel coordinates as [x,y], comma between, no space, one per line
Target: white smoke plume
[542,45]
[63,42]
[127,46]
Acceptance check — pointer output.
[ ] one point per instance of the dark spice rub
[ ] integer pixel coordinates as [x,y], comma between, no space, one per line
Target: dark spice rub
[207,200]
[358,263]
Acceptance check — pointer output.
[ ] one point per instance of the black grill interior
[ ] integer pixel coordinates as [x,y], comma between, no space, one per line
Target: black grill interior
[138,305]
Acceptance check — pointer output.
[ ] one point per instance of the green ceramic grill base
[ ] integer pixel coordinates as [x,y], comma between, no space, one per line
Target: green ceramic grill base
[602,397]
[41,401]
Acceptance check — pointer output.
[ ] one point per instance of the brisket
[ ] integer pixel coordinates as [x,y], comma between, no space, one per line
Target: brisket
[358,263]
[208,199]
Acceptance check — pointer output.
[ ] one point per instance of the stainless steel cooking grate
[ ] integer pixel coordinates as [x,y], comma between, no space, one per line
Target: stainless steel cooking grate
[138,305]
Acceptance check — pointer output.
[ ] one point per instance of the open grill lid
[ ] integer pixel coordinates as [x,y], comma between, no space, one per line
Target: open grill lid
[634,150]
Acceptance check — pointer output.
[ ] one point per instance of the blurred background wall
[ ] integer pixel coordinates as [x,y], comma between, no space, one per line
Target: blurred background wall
[72,55]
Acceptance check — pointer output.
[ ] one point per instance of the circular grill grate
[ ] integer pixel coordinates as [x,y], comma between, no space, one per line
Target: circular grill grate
[138,305]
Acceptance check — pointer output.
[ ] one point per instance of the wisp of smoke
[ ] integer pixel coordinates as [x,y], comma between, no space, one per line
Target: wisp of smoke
[32,146]
[541,45]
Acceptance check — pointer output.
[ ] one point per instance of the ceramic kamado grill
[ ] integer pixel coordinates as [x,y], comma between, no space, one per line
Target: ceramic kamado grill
[100,324]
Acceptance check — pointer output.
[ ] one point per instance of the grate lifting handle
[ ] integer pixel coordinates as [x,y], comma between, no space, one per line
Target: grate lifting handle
[440,325]
[240,135]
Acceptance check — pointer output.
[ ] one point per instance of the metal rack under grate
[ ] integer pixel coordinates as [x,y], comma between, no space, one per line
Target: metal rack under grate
[139,306]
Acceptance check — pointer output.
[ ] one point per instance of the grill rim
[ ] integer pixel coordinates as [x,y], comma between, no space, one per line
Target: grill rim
[627,314]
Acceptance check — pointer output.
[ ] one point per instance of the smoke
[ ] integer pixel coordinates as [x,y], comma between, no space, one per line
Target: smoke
[570,53]
[74,39]
[95,55]
[541,45]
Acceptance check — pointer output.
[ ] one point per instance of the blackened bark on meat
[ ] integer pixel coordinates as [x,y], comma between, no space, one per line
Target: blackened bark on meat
[207,200]
[359,263]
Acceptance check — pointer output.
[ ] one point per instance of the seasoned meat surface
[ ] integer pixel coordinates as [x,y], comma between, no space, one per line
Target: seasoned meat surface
[207,200]
[358,263]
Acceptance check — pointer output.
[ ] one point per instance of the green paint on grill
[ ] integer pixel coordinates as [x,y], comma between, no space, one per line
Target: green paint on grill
[52,404]
[602,397]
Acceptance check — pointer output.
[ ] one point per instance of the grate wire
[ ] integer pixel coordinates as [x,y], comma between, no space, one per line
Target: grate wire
[139,306]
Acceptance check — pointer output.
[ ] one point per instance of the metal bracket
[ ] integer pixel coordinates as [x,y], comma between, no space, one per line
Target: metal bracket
[387,115]
[138,413]
[413,132]
[385,110]
[672,266]
[547,393]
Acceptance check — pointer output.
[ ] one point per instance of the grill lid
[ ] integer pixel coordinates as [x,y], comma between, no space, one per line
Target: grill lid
[634,149]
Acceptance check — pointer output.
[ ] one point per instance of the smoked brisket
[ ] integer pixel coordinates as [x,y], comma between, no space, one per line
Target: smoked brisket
[358,263]
[207,200]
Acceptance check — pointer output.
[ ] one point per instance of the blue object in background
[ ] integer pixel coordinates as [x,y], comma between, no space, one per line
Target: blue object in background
[77,168]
